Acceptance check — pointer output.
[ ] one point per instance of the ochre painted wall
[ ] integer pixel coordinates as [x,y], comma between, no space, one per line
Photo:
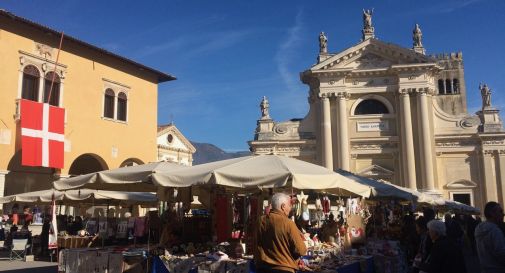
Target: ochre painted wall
[83,92]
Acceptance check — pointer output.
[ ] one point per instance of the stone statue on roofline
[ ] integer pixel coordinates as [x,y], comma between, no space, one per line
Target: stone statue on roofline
[323,43]
[264,106]
[485,92]
[367,19]
[417,36]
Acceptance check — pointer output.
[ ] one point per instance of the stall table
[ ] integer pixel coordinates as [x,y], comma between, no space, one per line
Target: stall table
[74,241]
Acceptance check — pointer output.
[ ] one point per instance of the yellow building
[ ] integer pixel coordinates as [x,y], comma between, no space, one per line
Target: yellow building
[110,103]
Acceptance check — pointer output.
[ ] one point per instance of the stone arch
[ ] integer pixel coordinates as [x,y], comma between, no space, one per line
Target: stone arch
[381,99]
[87,163]
[26,178]
[131,162]
[461,184]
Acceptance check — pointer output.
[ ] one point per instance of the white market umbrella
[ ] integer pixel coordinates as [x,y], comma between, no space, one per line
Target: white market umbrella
[82,196]
[258,172]
[380,189]
[133,178]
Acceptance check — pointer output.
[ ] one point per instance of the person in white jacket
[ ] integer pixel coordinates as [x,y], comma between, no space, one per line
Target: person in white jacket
[490,240]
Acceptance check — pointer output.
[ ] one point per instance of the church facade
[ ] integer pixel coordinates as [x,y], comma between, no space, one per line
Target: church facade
[394,114]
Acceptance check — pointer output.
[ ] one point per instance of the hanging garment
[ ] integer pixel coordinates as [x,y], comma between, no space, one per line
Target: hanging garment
[326,205]
[297,207]
[122,229]
[140,227]
[319,205]
[221,209]
[305,210]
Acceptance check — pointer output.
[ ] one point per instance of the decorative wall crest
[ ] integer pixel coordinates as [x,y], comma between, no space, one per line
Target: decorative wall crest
[44,50]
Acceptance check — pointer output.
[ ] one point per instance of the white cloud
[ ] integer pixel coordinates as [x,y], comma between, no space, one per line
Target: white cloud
[292,100]
[286,51]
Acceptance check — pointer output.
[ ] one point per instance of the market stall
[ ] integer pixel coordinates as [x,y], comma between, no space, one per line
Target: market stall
[345,209]
[133,178]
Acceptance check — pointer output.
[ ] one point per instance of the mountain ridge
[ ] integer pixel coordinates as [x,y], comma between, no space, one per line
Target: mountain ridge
[207,152]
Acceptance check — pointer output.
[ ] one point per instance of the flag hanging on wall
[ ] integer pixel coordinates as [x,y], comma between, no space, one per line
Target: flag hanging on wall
[42,134]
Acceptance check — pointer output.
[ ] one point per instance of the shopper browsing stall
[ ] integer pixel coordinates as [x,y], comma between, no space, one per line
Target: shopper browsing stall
[279,242]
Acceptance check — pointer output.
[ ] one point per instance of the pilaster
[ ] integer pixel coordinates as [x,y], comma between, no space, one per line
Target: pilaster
[491,191]
[343,137]
[501,177]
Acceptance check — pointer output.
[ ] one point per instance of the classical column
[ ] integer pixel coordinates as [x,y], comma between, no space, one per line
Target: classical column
[343,138]
[407,140]
[327,149]
[501,162]
[489,176]
[426,147]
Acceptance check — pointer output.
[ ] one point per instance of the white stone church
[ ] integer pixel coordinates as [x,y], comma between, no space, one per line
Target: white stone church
[396,114]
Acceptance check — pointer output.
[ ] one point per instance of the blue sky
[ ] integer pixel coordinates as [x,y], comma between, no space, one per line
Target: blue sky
[227,54]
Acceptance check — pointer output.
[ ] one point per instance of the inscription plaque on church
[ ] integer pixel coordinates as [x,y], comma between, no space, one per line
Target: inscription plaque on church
[373,126]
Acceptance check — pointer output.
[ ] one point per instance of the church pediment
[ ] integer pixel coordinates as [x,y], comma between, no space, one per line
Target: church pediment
[169,137]
[369,61]
[372,54]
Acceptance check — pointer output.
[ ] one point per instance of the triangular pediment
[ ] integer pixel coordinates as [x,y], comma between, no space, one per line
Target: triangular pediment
[170,137]
[376,171]
[372,54]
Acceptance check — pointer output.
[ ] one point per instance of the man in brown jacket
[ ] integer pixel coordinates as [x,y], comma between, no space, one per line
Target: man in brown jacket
[279,242]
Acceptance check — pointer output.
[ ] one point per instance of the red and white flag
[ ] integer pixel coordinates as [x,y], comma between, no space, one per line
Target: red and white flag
[42,134]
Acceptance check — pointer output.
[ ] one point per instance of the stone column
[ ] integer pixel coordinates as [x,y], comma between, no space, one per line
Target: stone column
[343,138]
[327,149]
[501,166]
[426,147]
[489,176]
[407,140]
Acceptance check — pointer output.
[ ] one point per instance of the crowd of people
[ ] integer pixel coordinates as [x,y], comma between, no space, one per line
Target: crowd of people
[436,245]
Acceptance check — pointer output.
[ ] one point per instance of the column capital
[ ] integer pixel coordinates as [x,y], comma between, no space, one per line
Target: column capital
[424,91]
[404,91]
[325,95]
[343,95]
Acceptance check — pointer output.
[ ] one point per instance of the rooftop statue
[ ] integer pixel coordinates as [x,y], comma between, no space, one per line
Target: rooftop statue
[485,92]
[367,19]
[417,36]
[264,106]
[323,43]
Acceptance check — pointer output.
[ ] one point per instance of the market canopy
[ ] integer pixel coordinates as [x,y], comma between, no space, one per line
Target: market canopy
[82,196]
[381,189]
[133,178]
[258,172]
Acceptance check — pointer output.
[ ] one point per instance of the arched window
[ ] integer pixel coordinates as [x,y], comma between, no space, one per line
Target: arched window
[455,86]
[441,87]
[108,104]
[371,107]
[30,88]
[448,86]
[55,93]
[121,106]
